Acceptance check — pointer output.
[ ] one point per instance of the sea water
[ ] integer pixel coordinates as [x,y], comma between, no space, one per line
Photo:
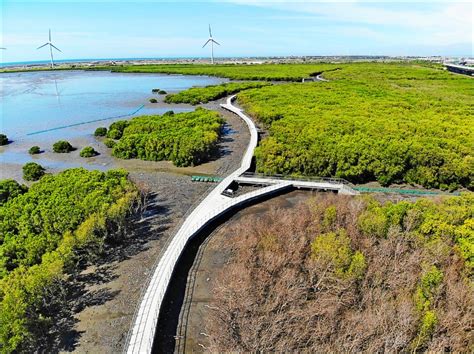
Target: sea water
[56,104]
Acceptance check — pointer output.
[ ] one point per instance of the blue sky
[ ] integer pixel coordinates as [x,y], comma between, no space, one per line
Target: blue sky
[113,29]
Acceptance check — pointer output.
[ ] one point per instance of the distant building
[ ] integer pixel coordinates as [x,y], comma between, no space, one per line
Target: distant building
[460,69]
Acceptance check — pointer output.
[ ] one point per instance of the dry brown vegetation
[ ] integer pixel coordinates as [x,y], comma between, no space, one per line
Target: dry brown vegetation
[317,278]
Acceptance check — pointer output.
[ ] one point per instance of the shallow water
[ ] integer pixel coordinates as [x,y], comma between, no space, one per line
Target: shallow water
[36,101]
[39,108]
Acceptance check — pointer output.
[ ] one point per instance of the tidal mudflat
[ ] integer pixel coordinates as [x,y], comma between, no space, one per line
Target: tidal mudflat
[39,108]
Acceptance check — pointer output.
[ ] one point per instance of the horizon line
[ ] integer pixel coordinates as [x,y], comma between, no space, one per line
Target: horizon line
[25,62]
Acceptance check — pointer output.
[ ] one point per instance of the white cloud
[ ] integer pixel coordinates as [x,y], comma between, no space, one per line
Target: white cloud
[436,22]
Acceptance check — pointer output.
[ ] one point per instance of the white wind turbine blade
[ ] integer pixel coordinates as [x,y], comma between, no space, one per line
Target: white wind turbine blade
[210,33]
[52,45]
[209,40]
[43,46]
[50,35]
[215,41]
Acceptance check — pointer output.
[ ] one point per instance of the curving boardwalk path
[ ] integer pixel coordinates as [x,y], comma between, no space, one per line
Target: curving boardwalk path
[213,206]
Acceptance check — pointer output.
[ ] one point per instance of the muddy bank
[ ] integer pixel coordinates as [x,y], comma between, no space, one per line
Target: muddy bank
[14,155]
[110,290]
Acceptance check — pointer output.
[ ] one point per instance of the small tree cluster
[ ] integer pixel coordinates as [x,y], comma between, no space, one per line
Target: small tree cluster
[62,146]
[3,139]
[32,171]
[88,151]
[100,131]
[34,150]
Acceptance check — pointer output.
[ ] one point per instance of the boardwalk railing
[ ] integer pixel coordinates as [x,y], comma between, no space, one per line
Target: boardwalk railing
[297,178]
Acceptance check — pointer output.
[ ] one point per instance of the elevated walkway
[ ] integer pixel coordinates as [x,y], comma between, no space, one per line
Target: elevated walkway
[320,183]
[216,204]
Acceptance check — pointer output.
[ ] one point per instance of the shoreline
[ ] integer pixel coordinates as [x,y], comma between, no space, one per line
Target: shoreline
[84,64]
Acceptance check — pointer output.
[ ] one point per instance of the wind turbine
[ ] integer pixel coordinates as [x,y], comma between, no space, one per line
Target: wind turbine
[212,41]
[51,46]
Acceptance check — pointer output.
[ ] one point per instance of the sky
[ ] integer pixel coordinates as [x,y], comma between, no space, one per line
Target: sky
[150,29]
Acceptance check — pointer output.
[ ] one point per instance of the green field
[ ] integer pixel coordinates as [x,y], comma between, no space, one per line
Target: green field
[268,72]
[186,139]
[45,232]
[196,95]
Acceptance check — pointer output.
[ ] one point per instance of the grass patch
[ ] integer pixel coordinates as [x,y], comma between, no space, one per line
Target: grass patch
[196,95]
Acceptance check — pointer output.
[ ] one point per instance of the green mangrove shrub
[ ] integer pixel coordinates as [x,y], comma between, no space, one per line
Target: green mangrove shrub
[34,150]
[370,122]
[10,189]
[88,151]
[59,223]
[32,171]
[116,129]
[110,143]
[100,131]
[62,146]
[196,95]
[3,139]
[186,139]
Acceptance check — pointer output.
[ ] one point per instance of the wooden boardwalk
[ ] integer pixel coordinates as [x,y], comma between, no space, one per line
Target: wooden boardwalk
[142,333]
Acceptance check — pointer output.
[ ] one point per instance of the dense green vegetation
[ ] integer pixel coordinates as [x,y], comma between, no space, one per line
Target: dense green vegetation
[10,188]
[153,100]
[100,131]
[32,171]
[392,123]
[34,150]
[62,146]
[44,233]
[347,274]
[88,151]
[3,139]
[196,95]
[186,139]
[158,91]
[116,129]
[269,72]
[110,143]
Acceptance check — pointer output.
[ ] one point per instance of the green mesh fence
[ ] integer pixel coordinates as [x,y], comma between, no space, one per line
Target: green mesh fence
[211,179]
[400,191]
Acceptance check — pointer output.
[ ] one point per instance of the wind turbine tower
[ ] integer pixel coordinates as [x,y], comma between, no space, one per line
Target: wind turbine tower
[51,46]
[212,41]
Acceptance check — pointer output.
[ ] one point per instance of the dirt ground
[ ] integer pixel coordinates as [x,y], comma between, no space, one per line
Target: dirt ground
[107,293]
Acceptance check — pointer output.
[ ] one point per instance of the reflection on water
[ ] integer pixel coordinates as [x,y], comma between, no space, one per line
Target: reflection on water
[40,101]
